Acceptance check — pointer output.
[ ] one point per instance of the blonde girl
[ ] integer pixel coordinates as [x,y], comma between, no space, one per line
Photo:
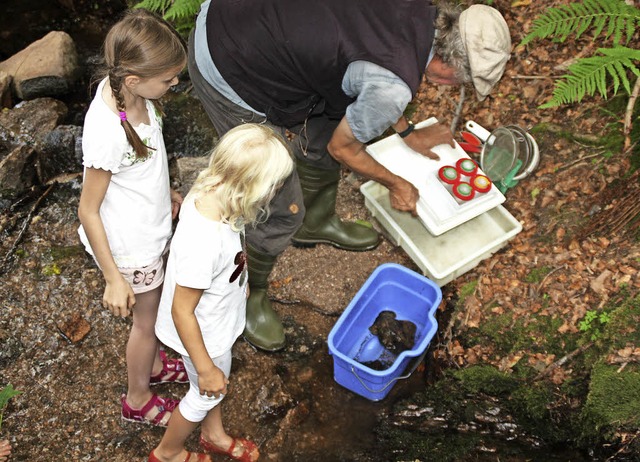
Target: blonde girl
[126,206]
[202,310]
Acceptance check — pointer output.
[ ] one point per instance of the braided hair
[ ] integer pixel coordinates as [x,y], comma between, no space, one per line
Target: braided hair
[145,45]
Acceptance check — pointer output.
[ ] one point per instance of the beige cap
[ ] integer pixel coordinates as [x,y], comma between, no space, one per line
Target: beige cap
[485,35]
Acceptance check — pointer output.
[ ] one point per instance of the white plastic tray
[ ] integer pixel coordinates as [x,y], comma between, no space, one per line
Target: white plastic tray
[448,256]
[437,208]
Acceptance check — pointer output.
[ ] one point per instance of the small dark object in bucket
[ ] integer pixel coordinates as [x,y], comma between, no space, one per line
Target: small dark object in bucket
[396,336]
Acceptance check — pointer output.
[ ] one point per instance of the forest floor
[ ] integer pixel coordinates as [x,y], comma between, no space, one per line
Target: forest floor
[65,354]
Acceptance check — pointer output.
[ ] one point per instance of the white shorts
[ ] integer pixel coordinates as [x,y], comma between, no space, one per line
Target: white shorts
[194,407]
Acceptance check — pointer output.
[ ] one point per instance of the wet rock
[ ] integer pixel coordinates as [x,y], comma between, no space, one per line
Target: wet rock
[31,121]
[271,400]
[185,170]
[17,170]
[47,67]
[187,130]
[396,335]
[24,129]
[60,152]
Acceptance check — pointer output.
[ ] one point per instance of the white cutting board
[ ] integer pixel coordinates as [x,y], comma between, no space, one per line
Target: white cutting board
[437,208]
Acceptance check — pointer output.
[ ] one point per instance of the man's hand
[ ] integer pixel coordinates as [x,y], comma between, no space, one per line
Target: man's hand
[404,196]
[423,139]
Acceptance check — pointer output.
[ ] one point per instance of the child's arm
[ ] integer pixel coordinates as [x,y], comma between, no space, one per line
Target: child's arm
[176,203]
[211,380]
[118,296]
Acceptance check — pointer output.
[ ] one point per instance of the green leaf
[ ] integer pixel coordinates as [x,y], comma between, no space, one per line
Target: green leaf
[588,75]
[616,16]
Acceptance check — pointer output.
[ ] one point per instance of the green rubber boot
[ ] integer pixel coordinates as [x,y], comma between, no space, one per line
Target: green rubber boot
[264,329]
[321,224]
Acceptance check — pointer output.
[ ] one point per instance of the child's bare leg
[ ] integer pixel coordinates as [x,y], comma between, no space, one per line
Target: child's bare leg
[5,450]
[213,429]
[213,432]
[142,348]
[171,447]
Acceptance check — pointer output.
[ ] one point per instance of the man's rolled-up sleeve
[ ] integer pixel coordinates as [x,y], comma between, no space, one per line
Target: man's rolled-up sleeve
[381,98]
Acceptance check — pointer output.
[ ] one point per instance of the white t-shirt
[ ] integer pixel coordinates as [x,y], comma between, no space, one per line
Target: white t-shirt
[136,210]
[205,254]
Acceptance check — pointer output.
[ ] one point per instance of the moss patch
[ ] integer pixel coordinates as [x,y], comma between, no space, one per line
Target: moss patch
[612,403]
[486,379]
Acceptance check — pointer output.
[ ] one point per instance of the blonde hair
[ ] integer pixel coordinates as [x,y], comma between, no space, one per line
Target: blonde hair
[247,166]
[145,45]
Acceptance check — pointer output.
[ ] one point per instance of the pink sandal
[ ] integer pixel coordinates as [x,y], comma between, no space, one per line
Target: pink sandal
[172,371]
[164,406]
[249,448]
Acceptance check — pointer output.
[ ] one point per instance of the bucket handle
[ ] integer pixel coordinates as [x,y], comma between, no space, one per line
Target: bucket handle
[406,376]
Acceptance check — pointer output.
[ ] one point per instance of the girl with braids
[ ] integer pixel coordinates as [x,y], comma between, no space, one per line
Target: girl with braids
[203,306]
[126,206]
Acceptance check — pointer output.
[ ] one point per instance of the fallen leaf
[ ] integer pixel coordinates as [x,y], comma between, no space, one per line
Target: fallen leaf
[74,328]
[598,284]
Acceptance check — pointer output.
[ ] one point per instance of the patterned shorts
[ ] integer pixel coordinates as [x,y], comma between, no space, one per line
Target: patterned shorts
[145,279]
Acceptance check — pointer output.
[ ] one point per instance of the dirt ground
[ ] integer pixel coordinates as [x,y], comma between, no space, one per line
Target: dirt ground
[69,407]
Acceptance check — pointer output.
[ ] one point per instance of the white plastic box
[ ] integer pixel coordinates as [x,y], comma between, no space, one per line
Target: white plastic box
[451,254]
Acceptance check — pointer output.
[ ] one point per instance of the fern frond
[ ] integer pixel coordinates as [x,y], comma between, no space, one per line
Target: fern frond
[181,9]
[157,6]
[614,17]
[589,75]
[181,13]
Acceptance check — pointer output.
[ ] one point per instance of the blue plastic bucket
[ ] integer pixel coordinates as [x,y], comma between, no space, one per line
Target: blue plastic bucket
[391,287]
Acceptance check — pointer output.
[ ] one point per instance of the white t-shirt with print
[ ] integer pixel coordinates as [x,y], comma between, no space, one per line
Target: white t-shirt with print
[205,254]
[136,210]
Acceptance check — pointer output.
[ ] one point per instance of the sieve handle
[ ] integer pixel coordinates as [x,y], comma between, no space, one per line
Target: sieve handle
[478,130]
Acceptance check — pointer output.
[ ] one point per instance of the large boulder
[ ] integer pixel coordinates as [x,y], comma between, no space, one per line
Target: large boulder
[47,67]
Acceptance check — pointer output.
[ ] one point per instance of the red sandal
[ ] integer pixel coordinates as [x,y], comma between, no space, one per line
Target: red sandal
[172,371]
[249,448]
[199,457]
[164,406]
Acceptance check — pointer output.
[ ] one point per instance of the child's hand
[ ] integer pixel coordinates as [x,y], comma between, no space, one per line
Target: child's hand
[212,382]
[118,297]
[176,202]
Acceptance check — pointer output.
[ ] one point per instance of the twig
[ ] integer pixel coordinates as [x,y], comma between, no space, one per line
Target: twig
[628,115]
[581,159]
[534,77]
[25,224]
[625,445]
[563,360]
[547,277]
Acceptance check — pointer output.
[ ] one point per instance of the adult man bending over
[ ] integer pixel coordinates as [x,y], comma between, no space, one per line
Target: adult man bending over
[332,75]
